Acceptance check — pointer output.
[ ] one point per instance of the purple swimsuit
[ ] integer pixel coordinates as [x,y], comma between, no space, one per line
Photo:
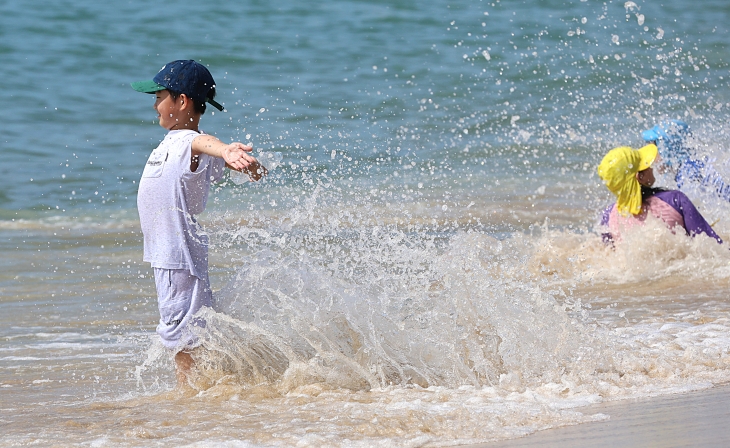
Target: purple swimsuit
[672,206]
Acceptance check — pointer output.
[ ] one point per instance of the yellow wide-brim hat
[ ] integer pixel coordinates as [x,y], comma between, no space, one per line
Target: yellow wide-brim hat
[618,170]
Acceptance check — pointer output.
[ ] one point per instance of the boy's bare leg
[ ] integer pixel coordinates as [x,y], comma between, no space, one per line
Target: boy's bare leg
[184,364]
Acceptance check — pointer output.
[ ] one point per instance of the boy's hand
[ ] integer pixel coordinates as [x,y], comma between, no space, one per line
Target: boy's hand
[237,158]
[236,155]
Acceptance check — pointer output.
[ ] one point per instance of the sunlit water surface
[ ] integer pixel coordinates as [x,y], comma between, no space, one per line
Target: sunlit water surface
[423,268]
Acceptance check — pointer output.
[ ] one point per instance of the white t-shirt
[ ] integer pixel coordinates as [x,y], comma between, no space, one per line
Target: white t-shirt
[168,198]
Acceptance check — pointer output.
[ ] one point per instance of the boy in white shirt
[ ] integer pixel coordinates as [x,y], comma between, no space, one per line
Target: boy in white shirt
[174,187]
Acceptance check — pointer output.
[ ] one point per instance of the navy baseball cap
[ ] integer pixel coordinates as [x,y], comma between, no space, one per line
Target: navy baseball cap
[184,76]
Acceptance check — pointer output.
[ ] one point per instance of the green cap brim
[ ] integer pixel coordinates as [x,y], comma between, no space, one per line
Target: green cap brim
[147,86]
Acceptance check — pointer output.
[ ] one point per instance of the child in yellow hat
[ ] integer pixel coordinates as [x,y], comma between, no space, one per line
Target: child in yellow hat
[628,175]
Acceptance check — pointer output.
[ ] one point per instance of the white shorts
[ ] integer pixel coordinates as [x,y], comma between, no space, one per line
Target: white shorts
[179,296]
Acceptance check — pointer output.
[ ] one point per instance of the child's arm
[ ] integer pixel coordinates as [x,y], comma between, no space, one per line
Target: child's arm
[235,154]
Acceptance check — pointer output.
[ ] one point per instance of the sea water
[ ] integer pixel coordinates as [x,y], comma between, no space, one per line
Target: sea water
[421,267]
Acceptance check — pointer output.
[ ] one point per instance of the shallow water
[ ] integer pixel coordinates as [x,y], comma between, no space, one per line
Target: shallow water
[423,268]
[398,339]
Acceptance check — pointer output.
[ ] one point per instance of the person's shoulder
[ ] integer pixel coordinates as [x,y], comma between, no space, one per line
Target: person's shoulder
[671,196]
[180,138]
[667,192]
[183,133]
[678,194]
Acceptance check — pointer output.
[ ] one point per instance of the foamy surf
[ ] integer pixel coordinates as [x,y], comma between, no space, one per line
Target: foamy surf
[474,344]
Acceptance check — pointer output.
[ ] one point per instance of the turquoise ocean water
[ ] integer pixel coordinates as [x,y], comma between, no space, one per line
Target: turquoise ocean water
[422,268]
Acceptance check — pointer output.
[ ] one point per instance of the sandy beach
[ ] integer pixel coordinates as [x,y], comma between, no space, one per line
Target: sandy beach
[698,419]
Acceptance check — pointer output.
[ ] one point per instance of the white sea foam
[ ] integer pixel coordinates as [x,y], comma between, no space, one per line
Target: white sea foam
[467,335]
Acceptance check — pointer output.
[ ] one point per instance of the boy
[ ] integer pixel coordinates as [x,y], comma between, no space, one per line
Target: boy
[174,187]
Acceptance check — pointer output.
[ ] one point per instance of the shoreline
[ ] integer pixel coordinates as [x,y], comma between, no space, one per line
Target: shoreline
[688,419]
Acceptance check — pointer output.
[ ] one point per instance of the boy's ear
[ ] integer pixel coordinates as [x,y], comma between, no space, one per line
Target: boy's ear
[184,101]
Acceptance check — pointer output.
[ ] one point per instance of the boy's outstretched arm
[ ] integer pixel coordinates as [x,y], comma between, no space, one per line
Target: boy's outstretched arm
[235,154]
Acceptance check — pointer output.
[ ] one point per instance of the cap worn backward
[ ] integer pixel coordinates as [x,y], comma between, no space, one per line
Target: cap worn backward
[182,76]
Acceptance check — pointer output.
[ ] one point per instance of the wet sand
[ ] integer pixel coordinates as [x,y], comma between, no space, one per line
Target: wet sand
[698,419]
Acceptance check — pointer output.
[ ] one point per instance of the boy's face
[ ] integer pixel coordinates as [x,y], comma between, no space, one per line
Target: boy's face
[165,107]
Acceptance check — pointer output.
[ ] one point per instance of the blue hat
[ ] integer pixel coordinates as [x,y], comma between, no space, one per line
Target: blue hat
[670,138]
[188,77]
